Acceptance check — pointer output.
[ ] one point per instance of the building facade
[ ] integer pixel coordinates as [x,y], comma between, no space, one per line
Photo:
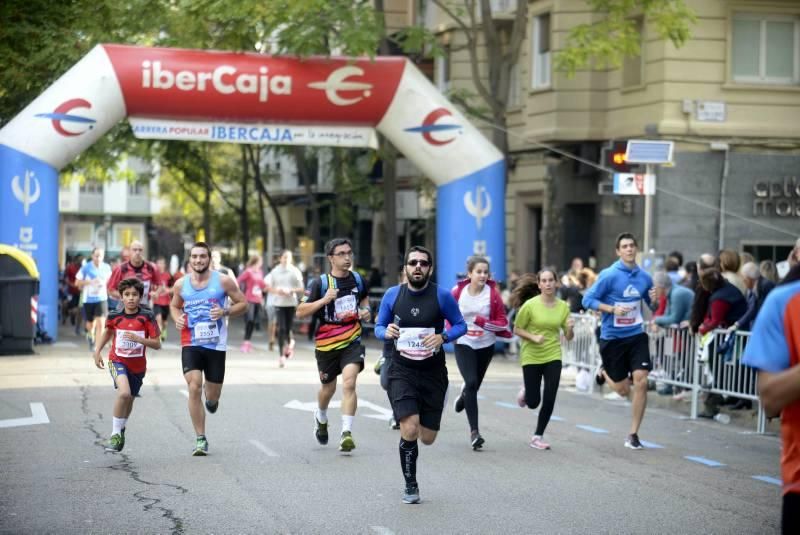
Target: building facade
[729,99]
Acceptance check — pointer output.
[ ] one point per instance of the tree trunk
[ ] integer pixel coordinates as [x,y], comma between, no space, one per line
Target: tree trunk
[304,173]
[253,156]
[264,233]
[244,221]
[207,209]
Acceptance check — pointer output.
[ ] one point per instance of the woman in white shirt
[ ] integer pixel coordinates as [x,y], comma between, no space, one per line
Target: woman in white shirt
[482,306]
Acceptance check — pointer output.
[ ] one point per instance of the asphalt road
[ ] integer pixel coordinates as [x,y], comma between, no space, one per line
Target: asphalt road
[266,473]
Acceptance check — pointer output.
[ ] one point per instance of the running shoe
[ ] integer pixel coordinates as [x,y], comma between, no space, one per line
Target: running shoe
[539,444]
[246,347]
[379,364]
[458,405]
[476,440]
[211,406]
[411,494]
[633,443]
[200,447]
[281,361]
[346,443]
[320,431]
[272,346]
[90,339]
[116,442]
[393,424]
[521,397]
[599,378]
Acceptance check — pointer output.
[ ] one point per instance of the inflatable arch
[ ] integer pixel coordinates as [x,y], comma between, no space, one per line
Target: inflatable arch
[236,97]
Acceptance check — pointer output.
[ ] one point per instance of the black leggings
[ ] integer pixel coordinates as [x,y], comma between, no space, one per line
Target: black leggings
[255,311]
[532,374]
[790,518]
[285,320]
[472,363]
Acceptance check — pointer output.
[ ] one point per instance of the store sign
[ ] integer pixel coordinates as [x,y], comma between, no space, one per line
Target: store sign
[777,197]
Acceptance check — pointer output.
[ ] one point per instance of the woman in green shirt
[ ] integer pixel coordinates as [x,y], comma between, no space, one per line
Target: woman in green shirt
[538,323]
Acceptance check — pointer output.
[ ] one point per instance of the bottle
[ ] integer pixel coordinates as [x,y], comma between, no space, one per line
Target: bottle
[722,418]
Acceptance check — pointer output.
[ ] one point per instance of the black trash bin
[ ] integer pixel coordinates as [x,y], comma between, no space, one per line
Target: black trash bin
[19,282]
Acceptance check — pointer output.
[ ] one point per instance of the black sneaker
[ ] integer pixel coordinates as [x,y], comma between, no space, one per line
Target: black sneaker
[320,431]
[411,494]
[476,440]
[458,406]
[211,406]
[633,443]
[599,378]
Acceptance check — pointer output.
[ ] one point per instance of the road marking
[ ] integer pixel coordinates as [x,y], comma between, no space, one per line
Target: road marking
[310,406]
[557,418]
[591,429]
[185,393]
[768,479]
[506,405]
[65,344]
[702,460]
[38,416]
[263,449]
[652,445]
[380,530]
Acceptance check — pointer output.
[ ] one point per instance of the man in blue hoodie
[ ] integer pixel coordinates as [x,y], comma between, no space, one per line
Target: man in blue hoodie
[618,294]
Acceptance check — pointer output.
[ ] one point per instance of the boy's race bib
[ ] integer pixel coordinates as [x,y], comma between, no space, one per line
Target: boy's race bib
[345,308]
[128,348]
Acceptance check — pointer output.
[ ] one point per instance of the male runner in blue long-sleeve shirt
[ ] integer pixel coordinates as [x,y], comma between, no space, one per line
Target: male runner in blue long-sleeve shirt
[413,315]
[624,350]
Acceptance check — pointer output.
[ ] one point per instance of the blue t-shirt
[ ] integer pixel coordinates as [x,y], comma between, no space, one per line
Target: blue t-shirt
[95,291]
[620,285]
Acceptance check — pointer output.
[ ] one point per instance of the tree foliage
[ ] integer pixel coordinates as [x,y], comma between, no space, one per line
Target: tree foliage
[615,36]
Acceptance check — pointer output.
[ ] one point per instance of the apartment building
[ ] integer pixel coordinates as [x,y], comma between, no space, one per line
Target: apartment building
[729,99]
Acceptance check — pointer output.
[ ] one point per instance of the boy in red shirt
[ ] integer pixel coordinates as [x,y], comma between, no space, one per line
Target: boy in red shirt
[130,330]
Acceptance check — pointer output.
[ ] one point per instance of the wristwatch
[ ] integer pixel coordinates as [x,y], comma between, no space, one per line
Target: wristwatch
[444,336]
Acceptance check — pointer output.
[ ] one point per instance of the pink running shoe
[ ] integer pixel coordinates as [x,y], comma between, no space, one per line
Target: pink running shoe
[282,362]
[247,347]
[521,397]
[539,444]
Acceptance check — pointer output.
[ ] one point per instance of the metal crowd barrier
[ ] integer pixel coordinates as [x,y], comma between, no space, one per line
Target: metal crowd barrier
[710,364]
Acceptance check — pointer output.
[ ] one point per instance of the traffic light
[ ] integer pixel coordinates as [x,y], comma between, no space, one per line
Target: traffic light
[614,157]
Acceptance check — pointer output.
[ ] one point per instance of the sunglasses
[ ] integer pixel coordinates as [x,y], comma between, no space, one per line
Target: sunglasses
[420,263]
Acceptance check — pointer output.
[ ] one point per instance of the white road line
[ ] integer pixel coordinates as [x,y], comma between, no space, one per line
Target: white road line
[38,416]
[262,448]
[185,393]
[380,530]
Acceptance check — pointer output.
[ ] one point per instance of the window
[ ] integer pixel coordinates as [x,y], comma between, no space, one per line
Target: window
[442,69]
[540,39]
[92,186]
[777,252]
[765,49]
[633,66]
[138,188]
[513,87]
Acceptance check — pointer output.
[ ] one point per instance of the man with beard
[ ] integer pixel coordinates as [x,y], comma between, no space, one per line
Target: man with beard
[139,268]
[413,316]
[340,302]
[199,309]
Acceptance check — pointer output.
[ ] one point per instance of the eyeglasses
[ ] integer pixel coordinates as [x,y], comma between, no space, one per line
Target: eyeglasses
[343,254]
[421,263]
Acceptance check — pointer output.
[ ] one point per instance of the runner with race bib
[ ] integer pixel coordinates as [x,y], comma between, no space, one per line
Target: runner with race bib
[199,309]
[413,315]
[130,331]
[624,346]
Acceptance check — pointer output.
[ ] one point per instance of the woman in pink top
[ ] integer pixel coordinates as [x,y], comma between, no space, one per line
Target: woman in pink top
[252,283]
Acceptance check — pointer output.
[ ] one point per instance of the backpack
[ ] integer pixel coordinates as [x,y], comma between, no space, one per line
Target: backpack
[328,280]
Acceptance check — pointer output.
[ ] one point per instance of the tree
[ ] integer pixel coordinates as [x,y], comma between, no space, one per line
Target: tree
[615,36]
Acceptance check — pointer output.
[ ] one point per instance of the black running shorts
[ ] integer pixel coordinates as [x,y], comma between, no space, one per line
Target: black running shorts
[418,391]
[621,356]
[95,310]
[162,310]
[209,361]
[331,363]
